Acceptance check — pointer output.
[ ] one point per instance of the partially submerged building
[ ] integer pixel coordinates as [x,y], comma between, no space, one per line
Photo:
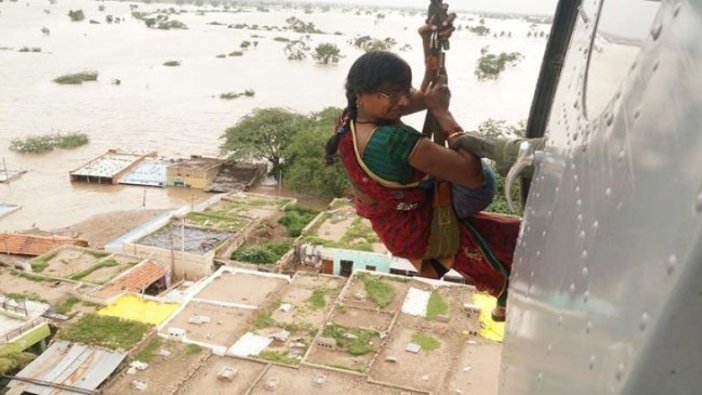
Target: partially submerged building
[234,177]
[22,322]
[109,167]
[151,173]
[195,172]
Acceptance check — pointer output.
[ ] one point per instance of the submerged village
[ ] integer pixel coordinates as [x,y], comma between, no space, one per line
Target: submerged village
[232,287]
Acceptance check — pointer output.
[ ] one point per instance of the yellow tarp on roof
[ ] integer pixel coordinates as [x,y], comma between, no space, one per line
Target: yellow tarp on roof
[132,307]
[490,329]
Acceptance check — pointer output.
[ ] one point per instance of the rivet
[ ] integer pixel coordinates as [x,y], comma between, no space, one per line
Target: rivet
[584,254]
[621,155]
[575,177]
[586,271]
[595,225]
[608,192]
[580,218]
[672,262]
[560,320]
[539,377]
[656,64]
[557,189]
[582,234]
[571,289]
[538,253]
[538,194]
[591,364]
[543,233]
[698,203]
[579,202]
[656,31]
[633,66]
[588,327]
[643,322]
[531,275]
[609,118]
[548,349]
[676,11]
[577,189]
[575,136]
[637,112]
[620,371]
[550,212]
[586,296]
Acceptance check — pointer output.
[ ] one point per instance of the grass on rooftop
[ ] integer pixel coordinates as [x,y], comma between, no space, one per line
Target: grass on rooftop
[105,331]
[279,357]
[378,290]
[216,221]
[265,254]
[20,296]
[355,341]
[148,353]
[427,342]
[90,270]
[359,236]
[295,218]
[42,262]
[66,306]
[436,306]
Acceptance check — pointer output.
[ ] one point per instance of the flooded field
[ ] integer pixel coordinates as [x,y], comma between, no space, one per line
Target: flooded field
[177,111]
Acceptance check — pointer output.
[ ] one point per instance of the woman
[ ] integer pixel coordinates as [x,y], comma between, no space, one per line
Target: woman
[392,169]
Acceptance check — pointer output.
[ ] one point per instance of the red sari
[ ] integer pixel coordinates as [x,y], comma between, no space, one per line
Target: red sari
[402,219]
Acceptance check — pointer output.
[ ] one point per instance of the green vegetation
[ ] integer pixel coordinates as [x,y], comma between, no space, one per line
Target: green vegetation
[427,342]
[436,306]
[267,253]
[326,53]
[42,262]
[353,340]
[295,218]
[216,221]
[479,30]
[490,65]
[236,53]
[279,357]
[171,24]
[359,236]
[379,291]
[296,50]
[76,16]
[368,43]
[47,142]
[104,331]
[20,296]
[281,39]
[11,358]
[318,298]
[172,63]
[234,95]
[148,353]
[245,44]
[30,276]
[77,78]
[88,271]
[27,49]
[299,26]
[192,349]
[66,305]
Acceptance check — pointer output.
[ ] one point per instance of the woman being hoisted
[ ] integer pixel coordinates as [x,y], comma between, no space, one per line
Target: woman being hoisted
[394,171]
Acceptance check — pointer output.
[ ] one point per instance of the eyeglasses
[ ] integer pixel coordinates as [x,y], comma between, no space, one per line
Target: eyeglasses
[394,96]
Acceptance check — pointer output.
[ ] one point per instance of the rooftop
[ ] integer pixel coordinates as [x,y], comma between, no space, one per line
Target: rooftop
[190,239]
[197,162]
[136,280]
[67,369]
[151,172]
[34,245]
[342,228]
[107,165]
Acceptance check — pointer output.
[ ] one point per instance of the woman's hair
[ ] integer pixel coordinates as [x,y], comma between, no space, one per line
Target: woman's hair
[366,75]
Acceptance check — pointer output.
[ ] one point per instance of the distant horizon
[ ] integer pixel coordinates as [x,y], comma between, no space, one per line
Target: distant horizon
[532,7]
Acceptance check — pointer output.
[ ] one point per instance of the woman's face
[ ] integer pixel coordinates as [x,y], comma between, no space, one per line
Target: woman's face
[389,102]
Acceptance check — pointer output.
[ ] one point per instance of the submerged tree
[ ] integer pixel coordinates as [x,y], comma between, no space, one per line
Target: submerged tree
[490,65]
[76,16]
[327,53]
[264,133]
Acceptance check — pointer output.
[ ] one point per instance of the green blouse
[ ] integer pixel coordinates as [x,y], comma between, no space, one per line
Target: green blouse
[388,150]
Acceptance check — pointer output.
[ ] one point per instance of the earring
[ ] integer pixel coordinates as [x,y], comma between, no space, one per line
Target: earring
[359,104]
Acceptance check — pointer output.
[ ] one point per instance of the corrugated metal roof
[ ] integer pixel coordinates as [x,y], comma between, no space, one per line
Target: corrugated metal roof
[68,364]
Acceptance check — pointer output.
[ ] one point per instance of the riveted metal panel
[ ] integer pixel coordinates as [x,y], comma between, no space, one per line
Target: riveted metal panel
[606,292]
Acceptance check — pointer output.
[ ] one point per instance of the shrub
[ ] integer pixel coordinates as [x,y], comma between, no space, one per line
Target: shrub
[48,142]
[172,63]
[359,344]
[76,16]
[490,65]
[327,53]
[235,95]
[267,253]
[236,53]
[105,331]
[77,78]
[296,218]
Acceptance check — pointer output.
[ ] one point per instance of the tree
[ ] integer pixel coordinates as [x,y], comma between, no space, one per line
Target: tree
[490,65]
[245,44]
[326,53]
[296,50]
[264,133]
[306,170]
[76,16]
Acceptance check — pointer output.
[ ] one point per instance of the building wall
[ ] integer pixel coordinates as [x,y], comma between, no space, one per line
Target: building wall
[191,177]
[181,265]
[361,260]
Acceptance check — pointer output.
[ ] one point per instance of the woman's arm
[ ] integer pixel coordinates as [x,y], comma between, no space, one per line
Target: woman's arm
[459,167]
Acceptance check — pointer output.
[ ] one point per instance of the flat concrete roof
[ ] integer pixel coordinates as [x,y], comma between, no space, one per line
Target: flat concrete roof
[149,173]
[197,240]
[106,165]
[197,162]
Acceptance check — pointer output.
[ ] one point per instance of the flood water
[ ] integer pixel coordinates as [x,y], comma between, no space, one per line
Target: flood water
[177,111]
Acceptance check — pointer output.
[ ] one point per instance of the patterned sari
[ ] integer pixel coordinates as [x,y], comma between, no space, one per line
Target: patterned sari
[402,219]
